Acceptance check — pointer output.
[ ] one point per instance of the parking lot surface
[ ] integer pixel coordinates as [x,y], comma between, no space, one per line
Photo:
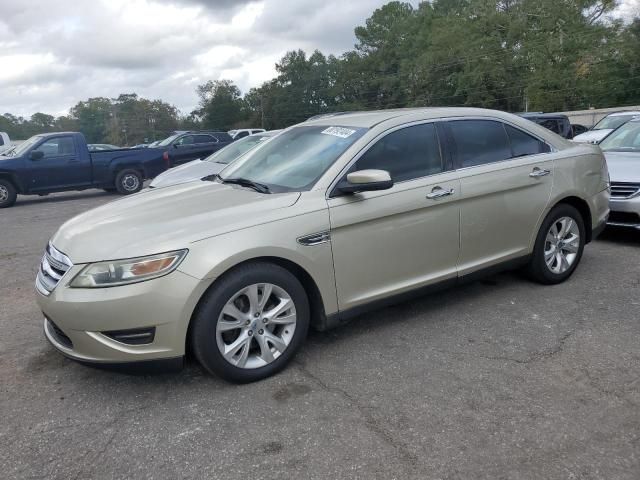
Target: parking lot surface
[497,379]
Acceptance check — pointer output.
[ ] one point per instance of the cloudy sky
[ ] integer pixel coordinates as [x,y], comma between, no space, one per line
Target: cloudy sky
[54,53]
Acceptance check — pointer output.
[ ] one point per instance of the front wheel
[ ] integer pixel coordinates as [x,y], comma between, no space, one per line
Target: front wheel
[250,324]
[129,181]
[559,246]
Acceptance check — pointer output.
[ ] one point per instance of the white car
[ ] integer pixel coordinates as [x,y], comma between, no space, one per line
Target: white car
[213,163]
[244,132]
[605,126]
[5,142]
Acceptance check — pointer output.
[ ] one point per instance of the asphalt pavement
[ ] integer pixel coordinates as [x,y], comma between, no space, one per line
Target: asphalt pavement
[498,379]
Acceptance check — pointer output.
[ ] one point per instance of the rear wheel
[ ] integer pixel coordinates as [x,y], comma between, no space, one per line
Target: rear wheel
[8,193]
[559,246]
[129,181]
[251,323]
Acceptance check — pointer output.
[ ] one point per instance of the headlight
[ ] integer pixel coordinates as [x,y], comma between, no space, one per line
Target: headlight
[132,270]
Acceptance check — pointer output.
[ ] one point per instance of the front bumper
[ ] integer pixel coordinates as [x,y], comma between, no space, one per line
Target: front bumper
[625,212]
[76,319]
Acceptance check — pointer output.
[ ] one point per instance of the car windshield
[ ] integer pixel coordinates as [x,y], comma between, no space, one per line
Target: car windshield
[23,147]
[295,159]
[612,121]
[167,141]
[625,138]
[234,150]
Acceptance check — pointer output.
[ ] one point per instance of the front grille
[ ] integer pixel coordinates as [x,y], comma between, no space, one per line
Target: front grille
[59,335]
[625,218]
[53,267]
[624,190]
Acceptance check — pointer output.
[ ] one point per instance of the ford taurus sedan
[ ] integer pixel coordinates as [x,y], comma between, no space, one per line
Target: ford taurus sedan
[331,218]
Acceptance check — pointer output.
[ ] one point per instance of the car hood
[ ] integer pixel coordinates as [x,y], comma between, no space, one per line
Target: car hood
[186,173]
[166,219]
[592,136]
[623,166]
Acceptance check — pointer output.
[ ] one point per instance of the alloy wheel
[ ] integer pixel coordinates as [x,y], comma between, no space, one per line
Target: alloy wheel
[562,244]
[4,193]
[256,325]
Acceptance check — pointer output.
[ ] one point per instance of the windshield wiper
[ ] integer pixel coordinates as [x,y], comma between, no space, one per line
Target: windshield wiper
[243,182]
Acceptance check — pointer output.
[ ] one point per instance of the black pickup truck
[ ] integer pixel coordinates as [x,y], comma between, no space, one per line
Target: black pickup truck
[56,162]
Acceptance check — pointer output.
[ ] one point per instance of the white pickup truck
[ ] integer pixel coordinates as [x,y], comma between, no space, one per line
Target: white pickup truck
[5,142]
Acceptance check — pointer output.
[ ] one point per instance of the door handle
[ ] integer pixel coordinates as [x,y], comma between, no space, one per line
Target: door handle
[73,160]
[539,172]
[438,192]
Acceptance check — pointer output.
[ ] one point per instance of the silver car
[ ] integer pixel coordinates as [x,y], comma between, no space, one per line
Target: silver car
[214,163]
[605,126]
[329,219]
[622,151]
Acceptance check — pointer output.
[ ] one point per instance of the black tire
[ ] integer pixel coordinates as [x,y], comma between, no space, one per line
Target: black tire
[129,181]
[203,329]
[8,193]
[537,268]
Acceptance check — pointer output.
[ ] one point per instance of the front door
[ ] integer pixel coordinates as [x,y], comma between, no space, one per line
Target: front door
[60,167]
[389,242]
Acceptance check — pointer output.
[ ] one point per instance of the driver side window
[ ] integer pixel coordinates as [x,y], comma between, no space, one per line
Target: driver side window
[408,153]
[56,147]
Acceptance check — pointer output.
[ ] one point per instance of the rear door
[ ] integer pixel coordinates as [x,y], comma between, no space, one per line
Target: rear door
[392,241]
[506,176]
[62,165]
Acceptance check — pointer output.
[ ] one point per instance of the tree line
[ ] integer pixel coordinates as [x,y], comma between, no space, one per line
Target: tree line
[512,55]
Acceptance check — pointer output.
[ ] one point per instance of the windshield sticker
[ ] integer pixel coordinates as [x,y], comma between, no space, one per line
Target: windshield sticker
[338,132]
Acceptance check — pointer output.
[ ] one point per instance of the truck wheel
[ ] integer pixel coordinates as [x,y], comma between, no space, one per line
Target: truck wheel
[8,193]
[128,181]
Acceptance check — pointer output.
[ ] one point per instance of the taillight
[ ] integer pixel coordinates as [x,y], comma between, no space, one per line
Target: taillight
[165,157]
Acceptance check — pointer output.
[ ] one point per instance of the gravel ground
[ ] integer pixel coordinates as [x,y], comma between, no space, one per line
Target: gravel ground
[497,379]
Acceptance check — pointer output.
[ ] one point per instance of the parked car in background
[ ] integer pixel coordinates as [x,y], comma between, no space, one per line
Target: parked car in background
[329,219]
[56,162]
[244,132]
[622,151]
[605,126]
[557,123]
[5,142]
[578,129]
[213,163]
[98,147]
[184,147]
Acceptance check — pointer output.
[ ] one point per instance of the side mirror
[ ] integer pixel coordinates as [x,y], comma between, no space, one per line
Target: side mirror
[175,145]
[366,181]
[37,155]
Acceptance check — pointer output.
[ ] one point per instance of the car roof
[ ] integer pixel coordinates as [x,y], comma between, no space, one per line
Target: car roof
[369,119]
[626,112]
[542,115]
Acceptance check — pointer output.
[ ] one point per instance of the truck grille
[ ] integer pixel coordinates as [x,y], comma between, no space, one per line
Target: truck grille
[624,190]
[53,267]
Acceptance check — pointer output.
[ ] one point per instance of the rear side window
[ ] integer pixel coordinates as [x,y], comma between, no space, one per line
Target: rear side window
[478,142]
[551,124]
[205,139]
[408,153]
[242,135]
[524,144]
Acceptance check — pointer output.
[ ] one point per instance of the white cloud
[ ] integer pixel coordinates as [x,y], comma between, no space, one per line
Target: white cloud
[156,48]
